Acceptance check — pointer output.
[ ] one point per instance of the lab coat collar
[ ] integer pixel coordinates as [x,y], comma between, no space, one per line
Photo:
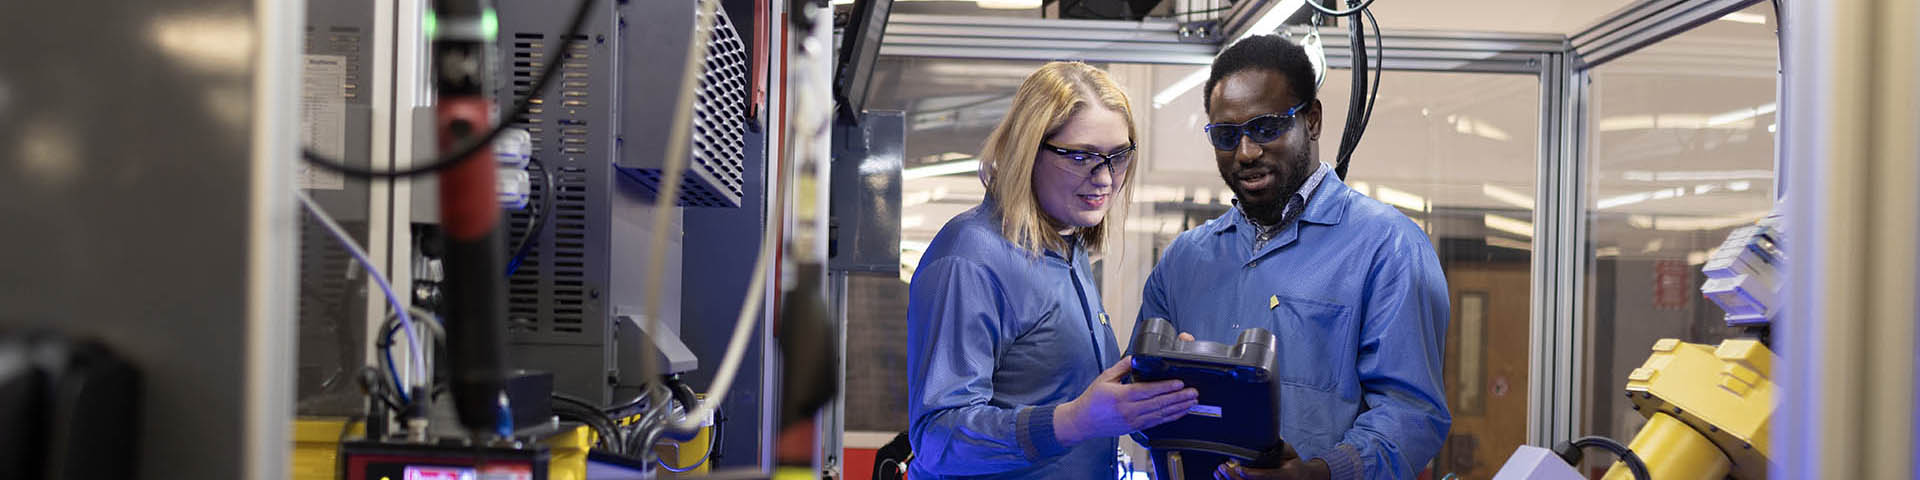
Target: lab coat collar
[1327,206]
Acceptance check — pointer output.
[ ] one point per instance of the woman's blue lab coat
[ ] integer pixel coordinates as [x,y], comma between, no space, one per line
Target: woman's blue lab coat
[998,337]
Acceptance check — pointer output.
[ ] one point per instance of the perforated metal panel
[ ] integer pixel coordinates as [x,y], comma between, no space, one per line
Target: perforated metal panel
[713,176]
[556,304]
[546,296]
[333,293]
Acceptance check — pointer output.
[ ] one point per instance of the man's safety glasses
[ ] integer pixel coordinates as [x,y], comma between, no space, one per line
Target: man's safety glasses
[1261,129]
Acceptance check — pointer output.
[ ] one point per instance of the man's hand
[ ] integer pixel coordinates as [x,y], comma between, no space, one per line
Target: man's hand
[1291,467]
[1292,470]
[1186,337]
[1109,408]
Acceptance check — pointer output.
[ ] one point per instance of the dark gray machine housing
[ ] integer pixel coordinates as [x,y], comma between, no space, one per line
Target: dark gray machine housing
[864,214]
[575,304]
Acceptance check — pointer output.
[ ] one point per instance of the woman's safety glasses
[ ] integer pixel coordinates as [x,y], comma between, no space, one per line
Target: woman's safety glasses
[1087,163]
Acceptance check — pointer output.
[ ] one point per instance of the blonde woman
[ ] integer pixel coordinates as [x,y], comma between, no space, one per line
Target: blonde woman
[1013,371]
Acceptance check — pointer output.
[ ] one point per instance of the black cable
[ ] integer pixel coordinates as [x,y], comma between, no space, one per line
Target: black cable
[1373,97]
[585,412]
[1626,455]
[541,217]
[1357,96]
[464,150]
[1338,13]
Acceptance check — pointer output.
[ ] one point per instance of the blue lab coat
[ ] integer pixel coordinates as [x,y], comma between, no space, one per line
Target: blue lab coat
[1354,295]
[997,338]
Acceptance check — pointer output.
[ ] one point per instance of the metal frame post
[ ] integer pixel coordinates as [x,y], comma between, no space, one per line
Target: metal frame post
[1847,345]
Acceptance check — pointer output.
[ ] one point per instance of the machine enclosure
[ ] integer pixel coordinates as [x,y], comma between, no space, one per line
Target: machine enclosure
[1238,412]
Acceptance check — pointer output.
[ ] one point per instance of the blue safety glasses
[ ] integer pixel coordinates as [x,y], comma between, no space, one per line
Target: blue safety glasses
[1261,129]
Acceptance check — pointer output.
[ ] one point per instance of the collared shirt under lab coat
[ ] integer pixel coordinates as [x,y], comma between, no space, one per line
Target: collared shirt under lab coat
[1356,299]
[998,337]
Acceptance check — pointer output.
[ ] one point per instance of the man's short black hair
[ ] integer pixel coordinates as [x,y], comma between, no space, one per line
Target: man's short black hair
[1264,52]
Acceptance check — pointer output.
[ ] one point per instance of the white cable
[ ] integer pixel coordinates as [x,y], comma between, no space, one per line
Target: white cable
[769,240]
[416,361]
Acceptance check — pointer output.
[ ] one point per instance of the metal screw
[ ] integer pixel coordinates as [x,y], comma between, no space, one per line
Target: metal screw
[593,293]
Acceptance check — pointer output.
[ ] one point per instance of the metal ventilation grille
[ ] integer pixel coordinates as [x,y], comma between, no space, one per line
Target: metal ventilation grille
[719,122]
[546,294]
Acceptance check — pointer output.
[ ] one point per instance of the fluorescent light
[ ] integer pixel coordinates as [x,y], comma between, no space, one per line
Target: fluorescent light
[1697,257]
[1654,245]
[1504,242]
[1744,17]
[1397,198]
[1470,126]
[1272,20]
[1741,115]
[1606,252]
[1684,224]
[1007,4]
[1633,198]
[1510,225]
[1506,196]
[1363,188]
[208,42]
[1269,22]
[1695,175]
[1707,223]
[1180,87]
[1202,196]
[916,197]
[939,169]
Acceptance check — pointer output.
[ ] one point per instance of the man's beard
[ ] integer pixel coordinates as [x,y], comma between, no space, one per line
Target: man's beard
[1268,213]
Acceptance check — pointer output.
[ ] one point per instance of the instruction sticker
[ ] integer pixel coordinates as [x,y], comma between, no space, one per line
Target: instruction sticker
[1205,410]
[323,118]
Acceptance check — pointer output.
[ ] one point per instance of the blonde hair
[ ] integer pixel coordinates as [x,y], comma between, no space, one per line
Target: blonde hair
[1046,100]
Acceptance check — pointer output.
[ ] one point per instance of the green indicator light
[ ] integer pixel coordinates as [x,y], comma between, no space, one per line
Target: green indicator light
[432,24]
[490,22]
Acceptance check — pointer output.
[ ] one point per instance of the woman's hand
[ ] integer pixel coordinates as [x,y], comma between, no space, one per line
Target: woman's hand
[1109,408]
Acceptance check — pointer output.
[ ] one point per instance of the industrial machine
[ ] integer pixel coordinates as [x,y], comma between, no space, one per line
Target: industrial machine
[1707,406]
[582,154]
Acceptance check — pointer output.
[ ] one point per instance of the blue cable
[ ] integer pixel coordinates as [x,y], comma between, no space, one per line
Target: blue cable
[406,321]
[388,354]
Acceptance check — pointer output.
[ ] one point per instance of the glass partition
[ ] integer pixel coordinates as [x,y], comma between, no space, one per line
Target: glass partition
[1680,148]
[1456,152]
